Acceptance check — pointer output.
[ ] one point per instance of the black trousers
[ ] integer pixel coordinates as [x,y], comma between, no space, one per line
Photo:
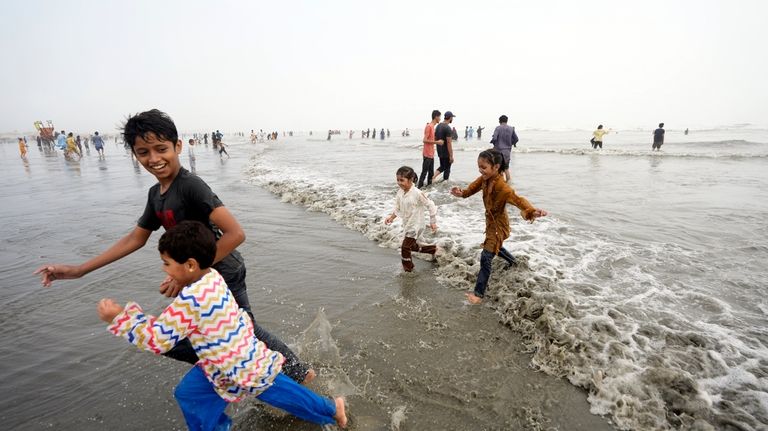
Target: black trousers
[427,171]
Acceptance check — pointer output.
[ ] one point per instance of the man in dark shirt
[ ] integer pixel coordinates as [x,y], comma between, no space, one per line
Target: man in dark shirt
[444,132]
[658,137]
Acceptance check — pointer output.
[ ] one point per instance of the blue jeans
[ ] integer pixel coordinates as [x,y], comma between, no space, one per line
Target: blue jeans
[486,257]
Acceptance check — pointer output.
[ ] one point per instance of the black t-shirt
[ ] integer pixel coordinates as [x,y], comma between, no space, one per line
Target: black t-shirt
[188,198]
[443,131]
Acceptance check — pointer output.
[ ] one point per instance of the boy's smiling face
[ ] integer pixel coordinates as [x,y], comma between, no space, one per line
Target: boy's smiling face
[159,157]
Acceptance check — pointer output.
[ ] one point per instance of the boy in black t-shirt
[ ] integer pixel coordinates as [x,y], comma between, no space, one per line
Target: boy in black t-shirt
[178,196]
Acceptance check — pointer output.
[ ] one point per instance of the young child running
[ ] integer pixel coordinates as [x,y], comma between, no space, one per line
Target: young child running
[496,195]
[410,203]
[233,362]
[178,196]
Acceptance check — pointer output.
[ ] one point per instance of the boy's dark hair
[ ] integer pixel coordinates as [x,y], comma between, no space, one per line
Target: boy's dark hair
[661,124]
[435,113]
[153,121]
[600,126]
[189,239]
[503,119]
[407,172]
[494,157]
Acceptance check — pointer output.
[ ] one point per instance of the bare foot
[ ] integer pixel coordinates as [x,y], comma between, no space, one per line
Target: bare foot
[341,413]
[311,374]
[473,299]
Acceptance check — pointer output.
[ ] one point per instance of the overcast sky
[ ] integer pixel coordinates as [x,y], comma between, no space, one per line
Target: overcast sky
[285,65]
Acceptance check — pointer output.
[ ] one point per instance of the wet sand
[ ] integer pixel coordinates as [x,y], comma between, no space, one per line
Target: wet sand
[407,351]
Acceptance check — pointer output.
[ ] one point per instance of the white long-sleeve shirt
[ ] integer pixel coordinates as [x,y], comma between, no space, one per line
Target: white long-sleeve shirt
[409,206]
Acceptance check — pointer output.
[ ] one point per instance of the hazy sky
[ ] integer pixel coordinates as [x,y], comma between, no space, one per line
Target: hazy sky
[285,65]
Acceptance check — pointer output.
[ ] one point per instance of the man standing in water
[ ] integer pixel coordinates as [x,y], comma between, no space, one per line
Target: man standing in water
[658,138]
[428,164]
[444,132]
[504,138]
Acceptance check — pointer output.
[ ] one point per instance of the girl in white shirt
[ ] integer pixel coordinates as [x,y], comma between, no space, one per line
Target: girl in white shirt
[410,203]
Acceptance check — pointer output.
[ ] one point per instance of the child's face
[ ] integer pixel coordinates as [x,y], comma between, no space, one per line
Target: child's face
[487,170]
[159,158]
[404,183]
[180,272]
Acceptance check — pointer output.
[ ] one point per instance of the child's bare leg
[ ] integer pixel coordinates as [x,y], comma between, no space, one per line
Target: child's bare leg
[341,412]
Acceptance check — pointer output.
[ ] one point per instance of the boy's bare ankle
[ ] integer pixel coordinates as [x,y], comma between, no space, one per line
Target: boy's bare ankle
[311,374]
[341,412]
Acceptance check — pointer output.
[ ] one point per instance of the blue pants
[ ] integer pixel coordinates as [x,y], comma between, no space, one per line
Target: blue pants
[486,257]
[203,408]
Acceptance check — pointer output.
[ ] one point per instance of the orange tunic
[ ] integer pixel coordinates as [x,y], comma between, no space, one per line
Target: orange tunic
[496,195]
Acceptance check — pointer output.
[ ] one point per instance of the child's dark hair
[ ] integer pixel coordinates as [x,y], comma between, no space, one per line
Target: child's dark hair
[435,113]
[494,157]
[153,121]
[407,172]
[189,239]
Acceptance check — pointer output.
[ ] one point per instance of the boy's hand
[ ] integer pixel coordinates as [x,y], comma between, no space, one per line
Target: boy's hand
[456,191]
[440,142]
[108,309]
[170,287]
[434,227]
[390,219]
[56,272]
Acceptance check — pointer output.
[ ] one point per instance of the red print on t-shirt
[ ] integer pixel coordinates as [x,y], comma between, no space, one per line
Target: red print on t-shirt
[167,218]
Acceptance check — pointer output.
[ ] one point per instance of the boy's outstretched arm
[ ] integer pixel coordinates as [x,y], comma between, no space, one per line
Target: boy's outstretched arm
[232,234]
[123,247]
[155,334]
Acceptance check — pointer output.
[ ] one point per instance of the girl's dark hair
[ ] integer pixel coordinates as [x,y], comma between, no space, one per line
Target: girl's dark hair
[494,157]
[407,172]
[153,121]
[189,239]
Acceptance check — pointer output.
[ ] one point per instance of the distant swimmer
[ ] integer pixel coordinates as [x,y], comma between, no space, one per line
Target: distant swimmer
[686,131]
[658,137]
[597,137]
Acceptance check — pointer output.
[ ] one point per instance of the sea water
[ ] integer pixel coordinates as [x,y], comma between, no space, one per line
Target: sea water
[645,285]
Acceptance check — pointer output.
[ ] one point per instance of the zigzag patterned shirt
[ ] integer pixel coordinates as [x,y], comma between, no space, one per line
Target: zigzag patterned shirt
[233,359]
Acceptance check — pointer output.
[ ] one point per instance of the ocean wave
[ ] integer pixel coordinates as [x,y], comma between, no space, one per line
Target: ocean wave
[641,153]
[590,309]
